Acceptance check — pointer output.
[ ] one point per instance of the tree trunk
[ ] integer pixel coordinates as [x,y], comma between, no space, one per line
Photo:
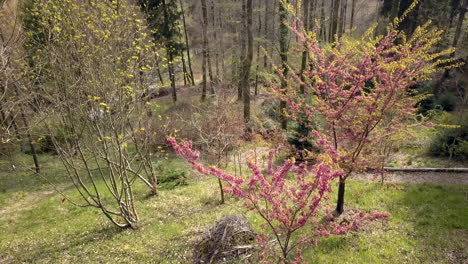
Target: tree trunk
[456,37]
[159,73]
[205,47]
[37,167]
[189,59]
[334,20]
[184,67]
[265,21]
[461,18]
[221,190]
[170,56]
[273,35]
[283,41]
[215,39]
[247,65]
[243,56]
[221,44]
[305,53]
[259,33]
[341,194]
[353,10]
[170,68]
[344,9]
[323,31]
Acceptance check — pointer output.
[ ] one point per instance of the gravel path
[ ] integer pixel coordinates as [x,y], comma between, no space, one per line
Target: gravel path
[418,177]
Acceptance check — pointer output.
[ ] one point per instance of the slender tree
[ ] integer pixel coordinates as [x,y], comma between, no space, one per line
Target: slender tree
[240,90]
[247,64]
[283,41]
[205,47]
[305,54]
[187,46]
[353,10]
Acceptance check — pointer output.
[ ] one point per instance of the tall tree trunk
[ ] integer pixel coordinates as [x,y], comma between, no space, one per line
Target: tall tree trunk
[247,66]
[305,53]
[215,39]
[353,10]
[273,35]
[243,40]
[170,68]
[265,21]
[221,44]
[205,48]
[259,33]
[461,19]
[456,38]
[334,20]
[170,56]
[184,69]
[187,46]
[159,72]
[344,9]
[283,41]
[323,30]
[312,9]
[184,66]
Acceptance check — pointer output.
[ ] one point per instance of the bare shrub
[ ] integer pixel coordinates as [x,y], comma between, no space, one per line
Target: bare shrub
[229,239]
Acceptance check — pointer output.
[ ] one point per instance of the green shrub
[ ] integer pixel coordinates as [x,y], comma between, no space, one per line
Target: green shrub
[452,137]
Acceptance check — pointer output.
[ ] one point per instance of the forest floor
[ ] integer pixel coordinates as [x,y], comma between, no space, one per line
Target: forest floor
[428,222]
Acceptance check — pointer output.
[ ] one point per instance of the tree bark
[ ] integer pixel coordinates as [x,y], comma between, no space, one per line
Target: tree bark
[187,46]
[461,18]
[341,194]
[283,35]
[215,39]
[273,35]
[221,44]
[205,48]
[323,30]
[344,9]
[170,68]
[170,56]
[184,67]
[353,10]
[240,90]
[305,53]
[247,65]
[456,37]
[159,72]
[265,21]
[334,20]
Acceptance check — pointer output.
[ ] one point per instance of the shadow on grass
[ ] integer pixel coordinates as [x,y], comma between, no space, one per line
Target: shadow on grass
[439,220]
[428,224]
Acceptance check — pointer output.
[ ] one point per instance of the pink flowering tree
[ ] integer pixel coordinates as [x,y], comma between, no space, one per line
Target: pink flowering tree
[357,92]
[288,198]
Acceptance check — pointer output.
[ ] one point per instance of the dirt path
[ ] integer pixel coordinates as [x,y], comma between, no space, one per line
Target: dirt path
[261,155]
[28,202]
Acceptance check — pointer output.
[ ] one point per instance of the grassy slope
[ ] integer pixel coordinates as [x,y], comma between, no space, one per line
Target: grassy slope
[428,223]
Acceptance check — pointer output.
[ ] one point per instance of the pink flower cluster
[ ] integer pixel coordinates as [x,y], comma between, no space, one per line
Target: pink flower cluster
[286,197]
[362,92]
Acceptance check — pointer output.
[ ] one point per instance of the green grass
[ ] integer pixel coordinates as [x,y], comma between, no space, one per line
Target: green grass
[428,223]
